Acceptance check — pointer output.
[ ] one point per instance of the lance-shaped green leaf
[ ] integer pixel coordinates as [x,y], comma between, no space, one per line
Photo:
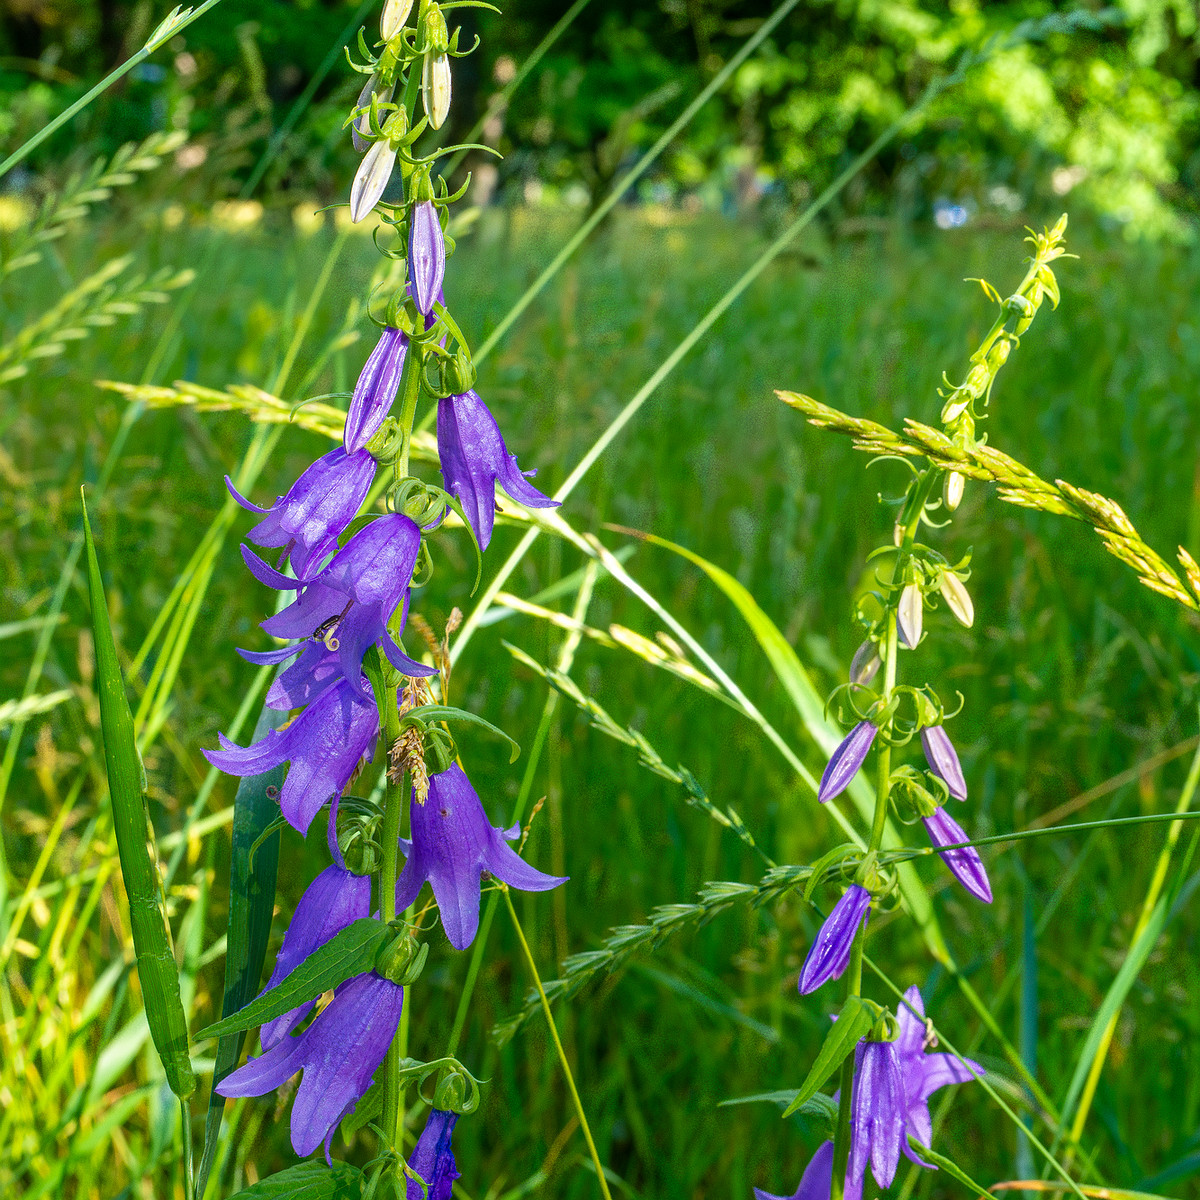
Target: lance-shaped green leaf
[819,1105]
[949,1166]
[348,953]
[254,862]
[443,712]
[854,1022]
[308,1181]
[157,971]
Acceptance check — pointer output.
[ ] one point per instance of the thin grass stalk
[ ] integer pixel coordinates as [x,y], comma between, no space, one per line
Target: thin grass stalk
[558,1046]
[566,660]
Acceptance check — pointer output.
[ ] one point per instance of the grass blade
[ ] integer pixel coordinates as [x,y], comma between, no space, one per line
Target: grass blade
[157,971]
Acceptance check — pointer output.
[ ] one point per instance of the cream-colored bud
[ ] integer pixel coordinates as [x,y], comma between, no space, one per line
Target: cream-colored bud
[395,13]
[435,88]
[371,178]
[957,598]
[910,615]
[952,490]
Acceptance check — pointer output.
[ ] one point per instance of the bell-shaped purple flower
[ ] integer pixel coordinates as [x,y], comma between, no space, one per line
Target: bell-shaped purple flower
[922,1074]
[433,1158]
[351,601]
[453,844]
[376,389]
[426,256]
[335,899]
[830,952]
[965,864]
[816,1181]
[474,457]
[339,1054]
[846,759]
[876,1116]
[317,508]
[943,759]
[324,745]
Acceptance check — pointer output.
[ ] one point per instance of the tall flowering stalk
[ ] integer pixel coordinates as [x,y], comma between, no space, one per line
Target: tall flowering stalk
[346,578]
[885,1076]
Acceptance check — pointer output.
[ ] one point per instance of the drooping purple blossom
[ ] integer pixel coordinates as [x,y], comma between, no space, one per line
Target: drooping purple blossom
[351,601]
[876,1116]
[474,457]
[426,255]
[433,1158]
[335,899]
[324,745]
[453,844]
[846,759]
[830,951]
[922,1074]
[943,759]
[814,1183]
[375,391]
[338,1053]
[317,508]
[965,864]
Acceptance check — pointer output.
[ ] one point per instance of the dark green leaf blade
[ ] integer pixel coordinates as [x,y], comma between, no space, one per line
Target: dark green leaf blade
[819,1105]
[853,1023]
[157,970]
[949,1166]
[348,953]
[308,1181]
[248,929]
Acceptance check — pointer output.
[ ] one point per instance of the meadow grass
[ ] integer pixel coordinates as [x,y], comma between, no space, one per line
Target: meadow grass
[1072,674]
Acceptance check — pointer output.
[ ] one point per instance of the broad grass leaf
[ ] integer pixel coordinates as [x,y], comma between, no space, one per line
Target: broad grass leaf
[157,971]
[346,954]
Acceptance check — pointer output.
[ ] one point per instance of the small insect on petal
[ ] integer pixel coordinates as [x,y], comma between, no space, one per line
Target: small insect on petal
[371,178]
[909,615]
[435,88]
[957,598]
[393,17]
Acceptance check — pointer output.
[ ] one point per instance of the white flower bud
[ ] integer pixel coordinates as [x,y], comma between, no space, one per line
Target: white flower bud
[952,490]
[371,178]
[395,13]
[865,664]
[435,88]
[362,125]
[909,615]
[957,598]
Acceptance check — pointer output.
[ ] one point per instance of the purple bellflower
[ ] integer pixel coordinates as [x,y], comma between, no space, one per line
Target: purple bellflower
[846,759]
[376,389]
[453,844]
[316,669]
[433,1158]
[339,1054]
[324,745]
[426,256]
[965,864]
[943,759]
[474,457]
[335,899]
[318,506]
[349,603]
[816,1181]
[876,1116]
[830,952]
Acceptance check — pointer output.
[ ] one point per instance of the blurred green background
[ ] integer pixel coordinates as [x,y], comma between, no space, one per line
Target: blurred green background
[1072,674]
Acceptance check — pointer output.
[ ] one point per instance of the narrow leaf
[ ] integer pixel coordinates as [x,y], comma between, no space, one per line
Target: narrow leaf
[348,953]
[443,712]
[853,1023]
[157,972]
[949,1166]
[252,875]
[1097,1191]
[819,1105]
[308,1181]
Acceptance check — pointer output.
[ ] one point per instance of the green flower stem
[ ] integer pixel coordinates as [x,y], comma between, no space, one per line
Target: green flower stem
[408,405]
[383,683]
[562,1054]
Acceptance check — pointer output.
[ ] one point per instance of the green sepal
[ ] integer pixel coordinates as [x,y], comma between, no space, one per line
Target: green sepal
[854,1023]
[346,954]
[846,849]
